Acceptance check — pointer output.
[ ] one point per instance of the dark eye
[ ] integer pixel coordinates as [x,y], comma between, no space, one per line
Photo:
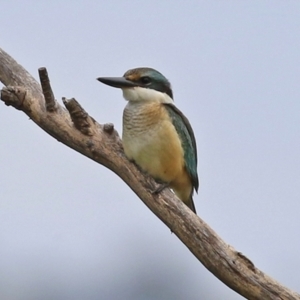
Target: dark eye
[145,80]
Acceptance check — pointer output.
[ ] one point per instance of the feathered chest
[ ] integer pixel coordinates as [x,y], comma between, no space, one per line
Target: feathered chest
[147,129]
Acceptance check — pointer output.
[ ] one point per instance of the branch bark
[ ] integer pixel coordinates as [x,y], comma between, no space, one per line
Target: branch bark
[73,126]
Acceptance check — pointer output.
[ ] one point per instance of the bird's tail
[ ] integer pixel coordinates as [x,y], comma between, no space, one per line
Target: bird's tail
[191,205]
[186,197]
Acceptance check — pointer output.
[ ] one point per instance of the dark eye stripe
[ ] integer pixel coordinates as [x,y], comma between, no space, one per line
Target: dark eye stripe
[145,80]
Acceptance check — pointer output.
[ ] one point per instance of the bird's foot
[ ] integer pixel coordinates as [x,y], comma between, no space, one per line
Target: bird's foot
[160,188]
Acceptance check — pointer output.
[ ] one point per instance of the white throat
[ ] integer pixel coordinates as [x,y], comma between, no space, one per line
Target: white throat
[140,94]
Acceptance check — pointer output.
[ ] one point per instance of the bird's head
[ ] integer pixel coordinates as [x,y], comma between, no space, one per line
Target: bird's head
[142,84]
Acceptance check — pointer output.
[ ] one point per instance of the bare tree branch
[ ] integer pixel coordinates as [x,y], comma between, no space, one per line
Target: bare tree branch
[76,129]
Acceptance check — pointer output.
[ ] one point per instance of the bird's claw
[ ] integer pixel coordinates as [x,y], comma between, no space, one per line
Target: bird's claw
[159,189]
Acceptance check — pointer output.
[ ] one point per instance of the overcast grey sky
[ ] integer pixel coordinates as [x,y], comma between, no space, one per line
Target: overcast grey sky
[71,229]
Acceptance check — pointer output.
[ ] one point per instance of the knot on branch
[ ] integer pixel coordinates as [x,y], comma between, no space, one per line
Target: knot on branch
[109,128]
[248,263]
[81,120]
[14,96]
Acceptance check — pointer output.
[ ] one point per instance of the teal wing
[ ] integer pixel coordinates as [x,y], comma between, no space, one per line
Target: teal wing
[185,131]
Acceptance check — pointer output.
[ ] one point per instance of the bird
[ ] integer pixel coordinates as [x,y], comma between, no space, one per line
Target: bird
[156,134]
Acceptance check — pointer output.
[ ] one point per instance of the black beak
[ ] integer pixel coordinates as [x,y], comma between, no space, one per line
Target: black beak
[117,82]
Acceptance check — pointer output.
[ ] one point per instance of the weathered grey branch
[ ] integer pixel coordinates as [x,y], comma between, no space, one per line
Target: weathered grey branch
[75,128]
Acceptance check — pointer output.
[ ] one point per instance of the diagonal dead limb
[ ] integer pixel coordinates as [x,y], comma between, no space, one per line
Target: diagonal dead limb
[76,129]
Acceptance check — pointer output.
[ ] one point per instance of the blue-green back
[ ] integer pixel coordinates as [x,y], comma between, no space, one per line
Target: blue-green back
[187,137]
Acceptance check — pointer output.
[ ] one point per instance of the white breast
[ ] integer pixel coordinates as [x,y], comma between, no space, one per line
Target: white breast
[151,140]
[139,129]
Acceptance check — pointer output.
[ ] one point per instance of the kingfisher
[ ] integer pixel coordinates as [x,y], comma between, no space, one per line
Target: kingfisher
[156,134]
